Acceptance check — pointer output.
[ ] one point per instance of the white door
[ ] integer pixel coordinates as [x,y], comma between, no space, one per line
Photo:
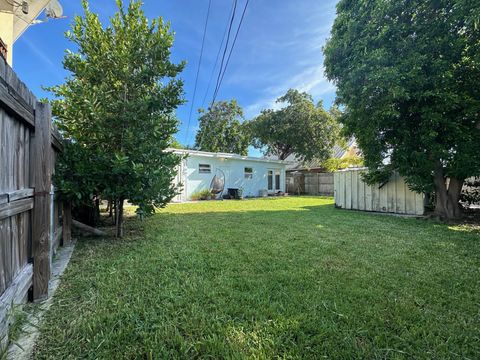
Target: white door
[273,180]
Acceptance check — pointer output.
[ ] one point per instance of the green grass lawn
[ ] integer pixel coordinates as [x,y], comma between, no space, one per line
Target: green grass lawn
[271,278]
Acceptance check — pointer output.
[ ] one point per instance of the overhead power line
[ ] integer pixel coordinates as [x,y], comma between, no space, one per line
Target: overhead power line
[225,49]
[218,56]
[221,74]
[198,71]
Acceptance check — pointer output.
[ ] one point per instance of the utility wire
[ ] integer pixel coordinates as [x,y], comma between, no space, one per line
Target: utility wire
[222,70]
[231,50]
[225,51]
[198,71]
[217,58]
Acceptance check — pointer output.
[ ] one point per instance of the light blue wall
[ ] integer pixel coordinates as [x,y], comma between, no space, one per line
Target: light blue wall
[234,173]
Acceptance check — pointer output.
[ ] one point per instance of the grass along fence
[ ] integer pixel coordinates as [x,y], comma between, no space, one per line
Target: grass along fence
[30,226]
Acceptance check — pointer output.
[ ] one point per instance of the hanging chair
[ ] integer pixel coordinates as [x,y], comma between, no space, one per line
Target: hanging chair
[218,183]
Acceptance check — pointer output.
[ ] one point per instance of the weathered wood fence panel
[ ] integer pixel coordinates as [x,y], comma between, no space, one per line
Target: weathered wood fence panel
[392,197]
[27,151]
[319,184]
[295,183]
[310,183]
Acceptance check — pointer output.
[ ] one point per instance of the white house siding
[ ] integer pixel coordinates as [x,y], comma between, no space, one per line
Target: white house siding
[393,197]
[234,169]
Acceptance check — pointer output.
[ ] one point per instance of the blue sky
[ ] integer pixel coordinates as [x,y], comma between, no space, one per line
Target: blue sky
[279,47]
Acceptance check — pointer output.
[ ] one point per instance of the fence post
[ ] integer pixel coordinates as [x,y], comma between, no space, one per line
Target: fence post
[41,171]
[67,222]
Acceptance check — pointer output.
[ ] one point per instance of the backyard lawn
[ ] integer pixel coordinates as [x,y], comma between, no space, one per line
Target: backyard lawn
[270,278]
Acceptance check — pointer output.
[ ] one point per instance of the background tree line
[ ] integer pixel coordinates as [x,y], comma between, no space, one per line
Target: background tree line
[300,127]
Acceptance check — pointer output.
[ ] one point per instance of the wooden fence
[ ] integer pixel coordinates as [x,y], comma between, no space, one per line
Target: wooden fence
[310,183]
[30,225]
[392,197]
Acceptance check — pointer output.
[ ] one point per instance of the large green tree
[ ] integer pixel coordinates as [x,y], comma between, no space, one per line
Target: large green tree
[408,75]
[221,129]
[117,109]
[300,127]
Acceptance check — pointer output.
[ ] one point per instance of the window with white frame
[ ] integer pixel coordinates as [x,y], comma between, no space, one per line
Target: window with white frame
[204,168]
[277,180]
[248,173]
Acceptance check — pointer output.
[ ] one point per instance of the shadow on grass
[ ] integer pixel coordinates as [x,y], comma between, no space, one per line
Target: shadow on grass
[245,280]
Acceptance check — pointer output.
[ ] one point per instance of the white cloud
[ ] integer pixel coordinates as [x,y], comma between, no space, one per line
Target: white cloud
[311,80]
[291,59]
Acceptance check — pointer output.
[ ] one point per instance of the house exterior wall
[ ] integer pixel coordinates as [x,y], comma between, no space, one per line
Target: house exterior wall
[393,197]
[234,169]
[6,32]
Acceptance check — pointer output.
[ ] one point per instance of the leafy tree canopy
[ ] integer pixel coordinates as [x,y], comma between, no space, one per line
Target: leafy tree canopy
[221,129]
[407,73]
[335,164]
[301,128]
[117,108]
[174,143]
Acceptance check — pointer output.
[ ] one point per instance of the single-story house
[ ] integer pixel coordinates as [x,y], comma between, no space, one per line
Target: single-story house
[255,176]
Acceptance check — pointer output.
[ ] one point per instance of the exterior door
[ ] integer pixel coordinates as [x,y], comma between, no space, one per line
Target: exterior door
[270,181]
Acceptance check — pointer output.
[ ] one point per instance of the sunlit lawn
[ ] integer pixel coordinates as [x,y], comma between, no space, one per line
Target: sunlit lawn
[271,278]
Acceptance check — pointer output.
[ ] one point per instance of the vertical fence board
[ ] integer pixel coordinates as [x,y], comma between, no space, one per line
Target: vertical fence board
[3,256]
[394,196]
[7,249]
[419,204]
[354,201]
[410,203]
[42,170]
[67,223]
[391,194]
[3,149]
[348,190]
[335,187]
[361,192]
[401,195]
[3,179]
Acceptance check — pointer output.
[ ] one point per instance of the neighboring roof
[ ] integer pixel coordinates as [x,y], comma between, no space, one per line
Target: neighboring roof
[293,164]
[339,152]
[223,156]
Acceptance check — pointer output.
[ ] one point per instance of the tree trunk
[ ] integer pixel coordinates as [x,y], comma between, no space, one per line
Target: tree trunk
[110,208]
[446,199]
[97,210]
[114,217]
[119,218]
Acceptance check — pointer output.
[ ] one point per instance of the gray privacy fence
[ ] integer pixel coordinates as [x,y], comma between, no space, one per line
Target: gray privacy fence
[30,224]
[392,197]
[310,183]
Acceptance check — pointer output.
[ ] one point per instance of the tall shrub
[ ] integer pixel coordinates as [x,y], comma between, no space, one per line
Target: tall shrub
[117,108]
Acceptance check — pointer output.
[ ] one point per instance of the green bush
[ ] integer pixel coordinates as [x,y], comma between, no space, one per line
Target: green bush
[204,194]
[471,191]
[334,164]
